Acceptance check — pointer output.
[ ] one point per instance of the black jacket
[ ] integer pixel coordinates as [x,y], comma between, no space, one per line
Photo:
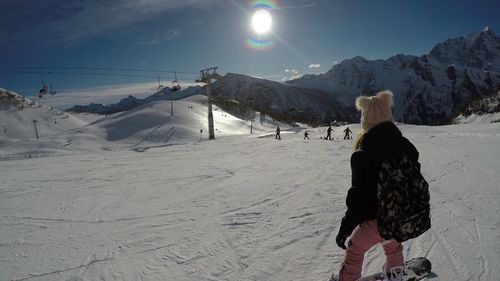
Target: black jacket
[382,142]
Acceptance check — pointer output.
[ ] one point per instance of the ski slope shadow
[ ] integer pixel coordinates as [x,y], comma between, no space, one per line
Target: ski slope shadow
[149,137]
[127,127]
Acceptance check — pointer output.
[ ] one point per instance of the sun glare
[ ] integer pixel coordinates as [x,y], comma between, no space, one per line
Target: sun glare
[261,21]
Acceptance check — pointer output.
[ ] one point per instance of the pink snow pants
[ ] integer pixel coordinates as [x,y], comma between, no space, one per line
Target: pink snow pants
[364,237]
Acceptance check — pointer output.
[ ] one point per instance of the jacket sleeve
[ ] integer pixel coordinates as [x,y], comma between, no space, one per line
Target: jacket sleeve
[357,194]
[411,151]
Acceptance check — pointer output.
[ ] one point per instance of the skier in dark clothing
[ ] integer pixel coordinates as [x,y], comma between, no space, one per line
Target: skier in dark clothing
[348,133]
[306,135]
[329,133]
[378,140]
[278,136]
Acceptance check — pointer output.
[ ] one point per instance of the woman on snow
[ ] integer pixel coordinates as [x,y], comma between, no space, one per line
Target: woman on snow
[379,139]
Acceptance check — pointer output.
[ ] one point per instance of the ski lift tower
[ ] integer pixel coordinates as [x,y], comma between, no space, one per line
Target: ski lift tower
[207,75]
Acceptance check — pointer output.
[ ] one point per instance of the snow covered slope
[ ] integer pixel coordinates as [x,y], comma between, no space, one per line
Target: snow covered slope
[242,207]
[131,102]
[140,128]
[18,133]
[429,89]
[152,124]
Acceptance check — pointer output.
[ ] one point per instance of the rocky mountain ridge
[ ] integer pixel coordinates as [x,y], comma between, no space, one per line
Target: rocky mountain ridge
[429,89]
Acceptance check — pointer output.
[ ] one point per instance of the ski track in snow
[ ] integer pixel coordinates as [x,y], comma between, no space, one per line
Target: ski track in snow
[236,208]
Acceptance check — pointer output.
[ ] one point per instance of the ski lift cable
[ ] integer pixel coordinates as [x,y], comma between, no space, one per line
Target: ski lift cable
[97,68]
[79,73]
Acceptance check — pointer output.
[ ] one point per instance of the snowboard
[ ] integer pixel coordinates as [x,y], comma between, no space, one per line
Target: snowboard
[415,269]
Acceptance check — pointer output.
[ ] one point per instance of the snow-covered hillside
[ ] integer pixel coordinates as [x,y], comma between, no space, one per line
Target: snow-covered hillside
[145,126]
[240,207]
[131,101]
[20,127]
[427,90]
[239,93]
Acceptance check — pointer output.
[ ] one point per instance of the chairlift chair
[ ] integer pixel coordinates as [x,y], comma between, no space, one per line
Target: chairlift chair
[160,86]
[44,90]
[176,86]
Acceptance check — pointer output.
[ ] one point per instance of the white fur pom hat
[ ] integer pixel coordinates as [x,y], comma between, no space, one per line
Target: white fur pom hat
[375,109]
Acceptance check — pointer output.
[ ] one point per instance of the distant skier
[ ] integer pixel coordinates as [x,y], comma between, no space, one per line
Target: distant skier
[329,133]
[378,141]
[306,135]
[348,133]
[278,136]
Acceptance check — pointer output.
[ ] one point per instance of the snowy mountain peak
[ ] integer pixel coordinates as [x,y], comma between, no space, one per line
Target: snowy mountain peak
[472,50]
[358,59]
[429,89]
[485,33]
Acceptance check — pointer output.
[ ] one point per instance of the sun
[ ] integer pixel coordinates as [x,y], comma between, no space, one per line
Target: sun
[261,21]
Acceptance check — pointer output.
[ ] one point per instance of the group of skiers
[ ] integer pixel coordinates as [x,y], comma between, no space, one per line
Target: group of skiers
[347,133]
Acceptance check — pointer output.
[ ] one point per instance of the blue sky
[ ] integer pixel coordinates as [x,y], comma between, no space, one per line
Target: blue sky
[308,36]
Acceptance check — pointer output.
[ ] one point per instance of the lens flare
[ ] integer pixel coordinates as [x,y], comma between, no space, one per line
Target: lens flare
[264,4]
[261,39]
[259,44]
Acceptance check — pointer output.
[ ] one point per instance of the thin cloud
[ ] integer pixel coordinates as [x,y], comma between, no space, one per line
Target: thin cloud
[68,21]
[150,42]
[197,22]
[102,16]
[292,74]
[293,77]
[172,33]
[317,65]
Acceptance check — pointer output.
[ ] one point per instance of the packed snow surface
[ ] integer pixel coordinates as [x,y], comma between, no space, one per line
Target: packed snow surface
[130,198]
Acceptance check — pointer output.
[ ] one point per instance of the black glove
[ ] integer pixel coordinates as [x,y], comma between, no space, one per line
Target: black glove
[341,238]
[344,232]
